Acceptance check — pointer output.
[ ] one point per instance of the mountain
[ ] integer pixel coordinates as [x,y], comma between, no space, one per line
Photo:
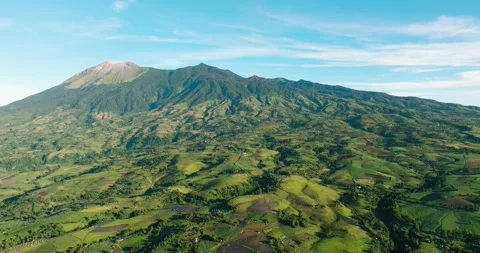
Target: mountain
[126,87]
[199,159]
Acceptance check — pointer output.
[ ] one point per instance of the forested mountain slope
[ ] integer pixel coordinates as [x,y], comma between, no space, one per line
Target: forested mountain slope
[200,159]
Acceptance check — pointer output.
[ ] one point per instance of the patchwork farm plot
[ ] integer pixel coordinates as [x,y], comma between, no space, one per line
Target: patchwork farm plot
[296,167]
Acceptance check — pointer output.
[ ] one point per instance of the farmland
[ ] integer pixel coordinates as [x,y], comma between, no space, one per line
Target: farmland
[293,167]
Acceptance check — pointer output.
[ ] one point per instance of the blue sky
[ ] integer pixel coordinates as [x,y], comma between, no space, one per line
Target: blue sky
[425,48]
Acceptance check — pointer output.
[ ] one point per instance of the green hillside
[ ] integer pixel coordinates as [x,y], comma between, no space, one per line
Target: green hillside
[200,159]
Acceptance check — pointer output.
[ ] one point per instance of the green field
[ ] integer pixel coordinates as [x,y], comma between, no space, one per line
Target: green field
[200,159]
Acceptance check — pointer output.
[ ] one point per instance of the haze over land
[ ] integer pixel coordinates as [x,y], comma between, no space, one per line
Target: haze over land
[406,48]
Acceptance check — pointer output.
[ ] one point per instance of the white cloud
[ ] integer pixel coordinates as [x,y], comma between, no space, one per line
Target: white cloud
[146,38]
[462,89]
[444,27]
[229,53]
[421,54]
[268,41]
[417,70]
[88,27]
[329,65]
[12,92]
[420,57]
[238,27]
[432,56]
[426,57]
[97,27]
[5,23]
[465,97]
[183,33]
[175,59]
[119,5]
[412,94]
[440,28]
[435,56]
[355,30]
[463,80]
[469,97]
[275,65]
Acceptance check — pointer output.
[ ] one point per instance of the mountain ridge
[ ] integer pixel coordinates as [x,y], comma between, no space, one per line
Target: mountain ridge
[126,87]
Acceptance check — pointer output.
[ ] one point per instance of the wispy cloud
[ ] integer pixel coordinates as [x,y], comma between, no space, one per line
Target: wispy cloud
[418,57]
[396,55]
[355,30]
[426,57]
[329,65]
[463,79]
[267,41]
[238,27]
[146,38]
[440,28]
[230,53]
[275,65]
[453,95]
[89,27]
[434,55]
[412,94]
[175,59]
[119,5]
[417,70]
[97,27]
[464,88]
[183,33]
[444,27]
[5,23]
[421,54]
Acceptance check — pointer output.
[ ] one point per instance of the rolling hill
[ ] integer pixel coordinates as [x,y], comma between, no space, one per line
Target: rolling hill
[200,159]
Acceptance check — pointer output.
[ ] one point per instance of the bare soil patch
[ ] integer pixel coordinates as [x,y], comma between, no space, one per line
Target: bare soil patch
[263,206]
[8,180]
[110,229]
[372,149]
[298,201]
[465,179]
[367,181]
[378,177]
[473,165]
[183,209]
[248,242]
[458,203]
[43,195]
